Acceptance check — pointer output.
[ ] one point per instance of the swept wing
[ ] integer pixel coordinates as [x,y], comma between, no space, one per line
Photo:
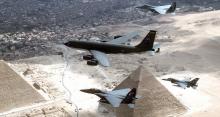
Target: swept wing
[116,97]
[100,57]
[123,39]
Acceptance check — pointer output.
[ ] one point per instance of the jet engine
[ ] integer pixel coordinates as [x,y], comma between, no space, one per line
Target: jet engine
[88,57]
[92,62]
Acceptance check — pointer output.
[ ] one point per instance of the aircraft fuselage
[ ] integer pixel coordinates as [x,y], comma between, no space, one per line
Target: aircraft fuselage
[126,99]
[174,81]
[104,47]
[177,81]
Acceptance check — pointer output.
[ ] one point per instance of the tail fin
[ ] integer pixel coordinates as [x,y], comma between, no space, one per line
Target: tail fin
[194,81]
[130,96]
[172,8]
[148,41]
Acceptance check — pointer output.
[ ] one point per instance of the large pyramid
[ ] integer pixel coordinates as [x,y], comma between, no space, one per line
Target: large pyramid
[14,91]
[155,101]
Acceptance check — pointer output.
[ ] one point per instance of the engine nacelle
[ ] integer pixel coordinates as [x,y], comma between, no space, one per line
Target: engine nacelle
[92,62]
[88,57]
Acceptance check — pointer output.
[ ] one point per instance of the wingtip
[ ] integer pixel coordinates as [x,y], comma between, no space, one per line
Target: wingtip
[115,106]
[131,105]
[106,65]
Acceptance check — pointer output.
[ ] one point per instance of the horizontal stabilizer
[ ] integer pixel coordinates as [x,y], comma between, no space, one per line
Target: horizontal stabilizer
[117,96]
[131,105]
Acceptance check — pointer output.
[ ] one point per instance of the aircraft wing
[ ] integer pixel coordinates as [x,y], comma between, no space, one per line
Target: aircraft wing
[113,100]
[116,97]
[162,9]
[123,39]
[120,92]
[101,57]
[183,85]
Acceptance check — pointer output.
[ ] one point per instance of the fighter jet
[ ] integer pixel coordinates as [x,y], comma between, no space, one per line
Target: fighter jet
[159,9]
[98,50]
[184,83]
[115,97]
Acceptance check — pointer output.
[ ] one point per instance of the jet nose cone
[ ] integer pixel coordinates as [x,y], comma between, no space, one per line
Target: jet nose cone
[168,79]
[92,91]
[85,90]
[67,44]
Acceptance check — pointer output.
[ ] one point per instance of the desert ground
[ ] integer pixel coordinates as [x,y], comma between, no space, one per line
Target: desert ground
[189,49]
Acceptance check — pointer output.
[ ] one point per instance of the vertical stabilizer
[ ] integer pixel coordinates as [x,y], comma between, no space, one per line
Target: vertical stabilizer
[172,8]
[194,82]
[148,41]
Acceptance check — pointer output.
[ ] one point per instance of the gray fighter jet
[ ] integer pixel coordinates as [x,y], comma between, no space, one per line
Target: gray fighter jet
[98,50]
[115,97]
[159,9]
[184,83]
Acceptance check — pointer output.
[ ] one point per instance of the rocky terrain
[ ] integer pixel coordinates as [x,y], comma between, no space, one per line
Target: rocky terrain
[27,27]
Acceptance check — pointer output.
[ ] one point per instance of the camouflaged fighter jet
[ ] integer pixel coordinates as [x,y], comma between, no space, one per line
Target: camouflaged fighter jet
[115,97]
[99,50]
[184,83]
[165,9]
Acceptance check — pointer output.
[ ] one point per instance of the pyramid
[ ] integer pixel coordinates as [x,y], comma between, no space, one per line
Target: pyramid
[14,91]
[155,101]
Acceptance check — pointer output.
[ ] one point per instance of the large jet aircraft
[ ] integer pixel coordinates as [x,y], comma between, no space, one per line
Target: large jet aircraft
[115,97]
[159,9]
[99,49]
[184,83]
